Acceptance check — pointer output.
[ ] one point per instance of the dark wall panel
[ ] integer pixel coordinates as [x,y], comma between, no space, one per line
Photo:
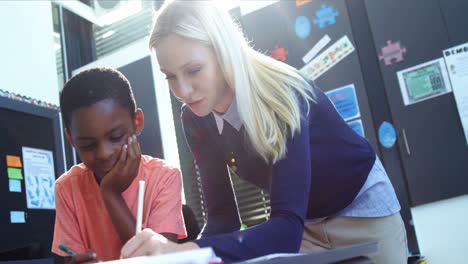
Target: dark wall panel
[140,75]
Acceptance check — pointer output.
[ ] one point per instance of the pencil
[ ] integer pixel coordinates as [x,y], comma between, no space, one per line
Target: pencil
[139,218]
[66,250]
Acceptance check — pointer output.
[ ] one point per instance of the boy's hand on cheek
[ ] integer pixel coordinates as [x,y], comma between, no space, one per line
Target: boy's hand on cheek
[126,168]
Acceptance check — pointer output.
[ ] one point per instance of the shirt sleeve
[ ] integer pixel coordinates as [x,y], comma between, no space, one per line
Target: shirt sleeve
[66,230]
[166,212]
[218,193]
[289,193]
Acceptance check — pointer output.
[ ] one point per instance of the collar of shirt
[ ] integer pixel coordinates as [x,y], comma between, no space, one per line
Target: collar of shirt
[231,116]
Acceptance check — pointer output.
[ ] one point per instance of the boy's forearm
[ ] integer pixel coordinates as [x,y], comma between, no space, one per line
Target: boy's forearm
[121,217]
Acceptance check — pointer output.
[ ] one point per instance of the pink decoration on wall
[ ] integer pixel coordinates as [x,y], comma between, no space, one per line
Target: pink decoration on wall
[392,53]
[279,53]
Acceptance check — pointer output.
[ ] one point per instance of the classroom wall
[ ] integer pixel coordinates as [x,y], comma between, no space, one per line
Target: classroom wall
[27,58]
[442,230]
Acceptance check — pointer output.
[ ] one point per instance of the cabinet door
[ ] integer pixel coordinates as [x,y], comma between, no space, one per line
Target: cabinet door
[433,149]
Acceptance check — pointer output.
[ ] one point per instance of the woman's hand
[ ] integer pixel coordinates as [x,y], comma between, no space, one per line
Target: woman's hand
[126,168]
[150,243]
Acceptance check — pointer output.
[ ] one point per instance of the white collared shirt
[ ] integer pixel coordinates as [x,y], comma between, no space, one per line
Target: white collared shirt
[231,116]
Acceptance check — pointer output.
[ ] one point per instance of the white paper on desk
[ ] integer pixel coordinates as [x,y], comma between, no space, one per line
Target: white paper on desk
[196,256]
[271,256]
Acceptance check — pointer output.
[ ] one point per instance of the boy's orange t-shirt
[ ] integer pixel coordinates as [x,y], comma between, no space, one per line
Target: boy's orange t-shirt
[82,221]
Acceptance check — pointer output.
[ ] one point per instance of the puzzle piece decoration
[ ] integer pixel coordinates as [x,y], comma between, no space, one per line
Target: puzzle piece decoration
[325,16]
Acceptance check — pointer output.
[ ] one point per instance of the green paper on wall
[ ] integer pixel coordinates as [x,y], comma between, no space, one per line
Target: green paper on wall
[14,173]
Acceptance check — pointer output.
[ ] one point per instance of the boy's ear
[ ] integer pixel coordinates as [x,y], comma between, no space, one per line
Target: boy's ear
[139,121]
[70,140]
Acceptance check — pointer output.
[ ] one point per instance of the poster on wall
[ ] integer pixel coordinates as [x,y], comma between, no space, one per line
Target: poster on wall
[345,101]
[328,58]
[457,64]
[424,81]
[357,126]
[39,178]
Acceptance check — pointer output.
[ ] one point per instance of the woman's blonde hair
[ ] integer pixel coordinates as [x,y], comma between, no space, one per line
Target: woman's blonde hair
[266,90]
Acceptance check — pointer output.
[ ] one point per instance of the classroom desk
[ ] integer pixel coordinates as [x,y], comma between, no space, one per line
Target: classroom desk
[343,255]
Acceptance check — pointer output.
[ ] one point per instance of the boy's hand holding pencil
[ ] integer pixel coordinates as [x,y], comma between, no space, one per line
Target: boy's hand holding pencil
[87,257]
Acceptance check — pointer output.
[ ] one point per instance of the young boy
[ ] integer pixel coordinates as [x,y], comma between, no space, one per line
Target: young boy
[96,200]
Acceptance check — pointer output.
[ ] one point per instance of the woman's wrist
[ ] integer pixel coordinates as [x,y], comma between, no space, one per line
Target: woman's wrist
[172,247]
[189,246]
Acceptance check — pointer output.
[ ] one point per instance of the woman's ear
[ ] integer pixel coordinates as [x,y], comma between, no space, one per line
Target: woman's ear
[139,121]
[69,138]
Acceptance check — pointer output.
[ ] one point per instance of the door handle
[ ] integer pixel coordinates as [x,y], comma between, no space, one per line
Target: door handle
[408,151]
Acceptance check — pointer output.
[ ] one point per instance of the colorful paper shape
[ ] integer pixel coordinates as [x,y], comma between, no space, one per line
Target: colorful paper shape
[14,173]
[279,53]
[302,2]
[302,27]
[387,135]
[13,161]
[325,16]
[15,185]
[393,52]
[17,217]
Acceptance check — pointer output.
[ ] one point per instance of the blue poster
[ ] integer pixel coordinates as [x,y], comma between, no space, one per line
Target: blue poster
[357,127]
[345,101]
[387,135]
[302,27]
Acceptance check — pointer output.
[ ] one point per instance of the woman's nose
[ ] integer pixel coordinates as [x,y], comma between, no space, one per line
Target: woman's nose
[184,90]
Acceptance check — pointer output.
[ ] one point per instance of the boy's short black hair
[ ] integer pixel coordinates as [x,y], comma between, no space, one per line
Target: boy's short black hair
[94,85]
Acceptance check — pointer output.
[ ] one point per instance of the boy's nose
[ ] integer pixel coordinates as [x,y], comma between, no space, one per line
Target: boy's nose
[104,152]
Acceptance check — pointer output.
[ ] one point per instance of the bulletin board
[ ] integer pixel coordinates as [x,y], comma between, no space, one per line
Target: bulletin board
[37,128]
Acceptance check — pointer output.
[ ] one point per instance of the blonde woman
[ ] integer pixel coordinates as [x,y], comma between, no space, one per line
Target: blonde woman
[275,129]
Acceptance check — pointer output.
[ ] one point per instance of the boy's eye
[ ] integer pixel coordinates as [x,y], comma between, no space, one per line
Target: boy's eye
[116,138]
[170,77]
[86,147]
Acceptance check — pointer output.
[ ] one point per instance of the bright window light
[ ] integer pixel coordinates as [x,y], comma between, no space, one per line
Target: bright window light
[108,34]
[131,8]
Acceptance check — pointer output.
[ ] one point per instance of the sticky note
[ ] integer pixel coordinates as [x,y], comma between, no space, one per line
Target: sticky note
[302,2]
[14,173]
[15,185]
[13,161]
[17,217]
